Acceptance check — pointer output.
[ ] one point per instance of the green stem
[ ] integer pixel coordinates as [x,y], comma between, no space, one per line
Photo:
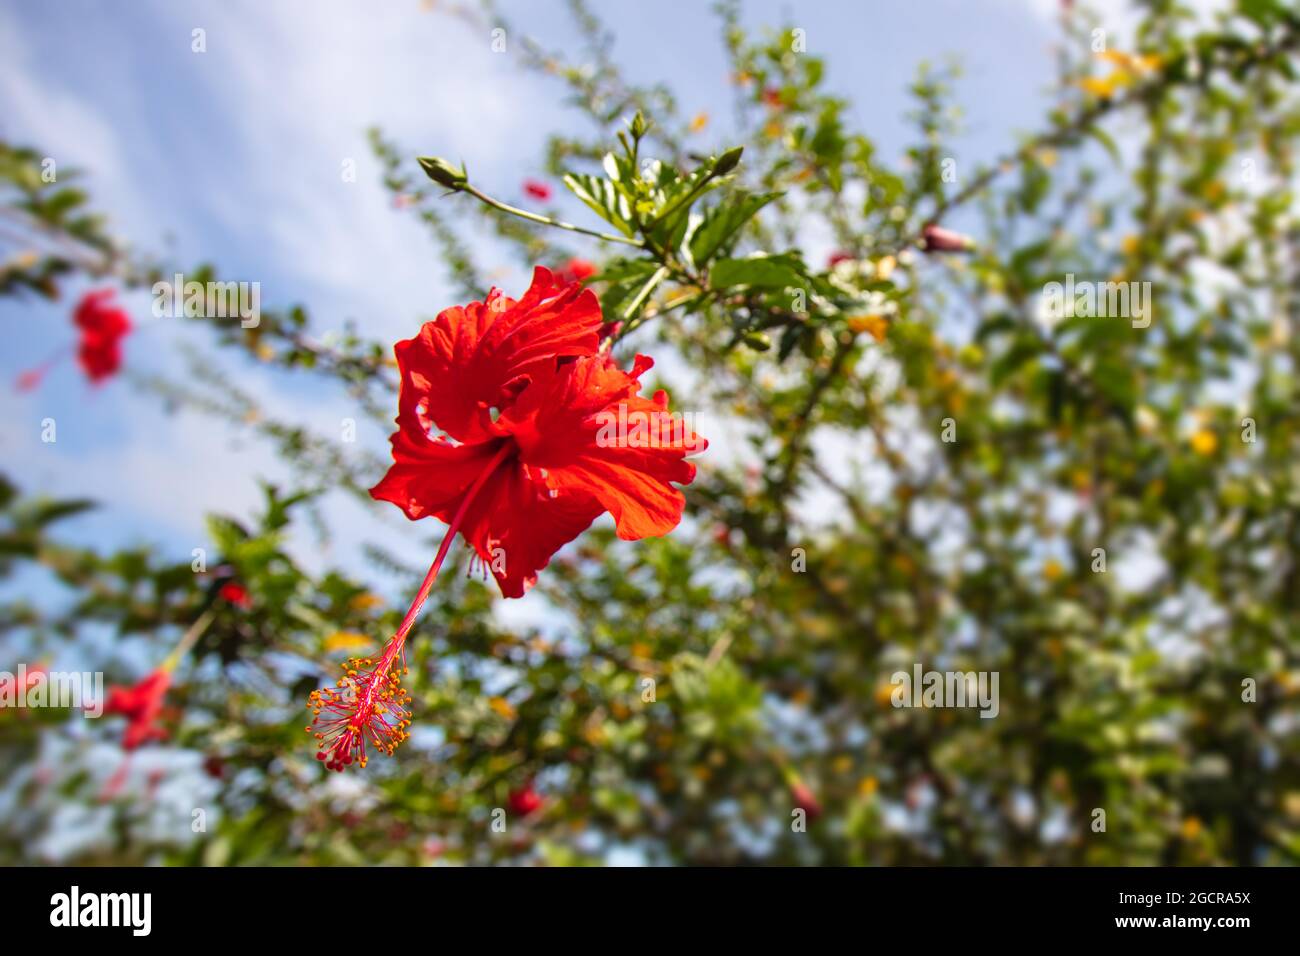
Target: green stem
[547,220]
[646,289]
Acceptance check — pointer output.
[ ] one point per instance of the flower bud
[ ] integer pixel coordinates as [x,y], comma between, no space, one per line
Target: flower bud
[805,799]
[937,239]
[728,161]
[442,172]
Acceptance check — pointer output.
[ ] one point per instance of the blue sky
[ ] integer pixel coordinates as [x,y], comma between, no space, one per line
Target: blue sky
[234,156]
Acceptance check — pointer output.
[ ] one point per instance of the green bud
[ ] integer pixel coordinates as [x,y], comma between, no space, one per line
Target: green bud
[442,172]
[758,341]
[728,161]
[638,125]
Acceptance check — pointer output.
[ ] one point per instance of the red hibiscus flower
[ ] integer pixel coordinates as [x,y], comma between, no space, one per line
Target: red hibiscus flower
[103,326]
[537,189]
[518,432]
[236,594]
[141,705]
[576,270]
[524,801]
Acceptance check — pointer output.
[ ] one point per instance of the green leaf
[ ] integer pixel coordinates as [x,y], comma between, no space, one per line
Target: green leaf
[1101,136]
[723,221]
[47,512]
[604,198]
[623,277]
[761,272]
[1023,349]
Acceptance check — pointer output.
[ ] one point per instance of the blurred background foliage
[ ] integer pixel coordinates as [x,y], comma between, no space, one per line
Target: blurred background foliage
[705,687]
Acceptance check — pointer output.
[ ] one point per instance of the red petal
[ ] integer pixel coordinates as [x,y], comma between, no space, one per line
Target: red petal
[516,524]
[430,477]
[594,435]
[468,361]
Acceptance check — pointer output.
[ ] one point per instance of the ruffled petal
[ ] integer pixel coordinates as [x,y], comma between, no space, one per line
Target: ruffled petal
[473,359]
[431,477]
[585,428]
[517,523]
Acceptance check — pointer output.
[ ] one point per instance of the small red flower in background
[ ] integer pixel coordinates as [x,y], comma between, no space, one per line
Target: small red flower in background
[772,97]
[537,189]
[103,326]
[504,418]
[838,256]
[236,594]
[141,705]
[805,799]
[937,239]
[524,801]
[13,687]
[575,270]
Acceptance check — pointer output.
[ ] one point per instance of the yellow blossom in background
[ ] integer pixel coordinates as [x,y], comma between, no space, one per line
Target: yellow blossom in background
[1132,63]
[1052,569]
[503,707]
[1204,442]
[1101,87]
[1191,828]
[885,267]
[699,121]
[1130,67]
[874,325]
[347,641]
[366,601]
[868,786]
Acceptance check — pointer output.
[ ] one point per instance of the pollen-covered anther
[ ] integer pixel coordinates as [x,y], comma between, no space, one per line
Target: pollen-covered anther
[370,709]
